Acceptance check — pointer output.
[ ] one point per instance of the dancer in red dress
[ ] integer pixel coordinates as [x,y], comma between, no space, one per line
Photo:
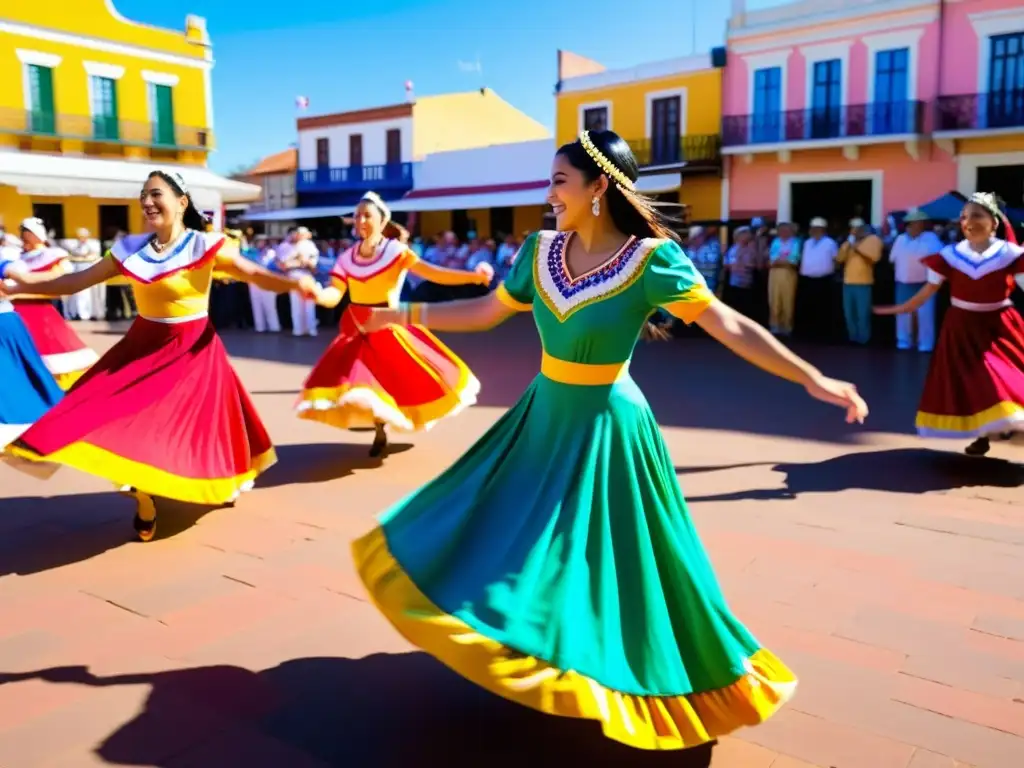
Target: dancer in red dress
[404,377]
[65,354]
[975,386]
[162,413]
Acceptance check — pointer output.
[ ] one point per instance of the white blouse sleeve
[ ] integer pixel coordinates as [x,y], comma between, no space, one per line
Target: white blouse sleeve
[935,278]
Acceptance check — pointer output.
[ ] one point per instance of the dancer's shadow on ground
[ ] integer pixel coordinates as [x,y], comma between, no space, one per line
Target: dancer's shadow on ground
[902,470]
[307,463]
[382,711]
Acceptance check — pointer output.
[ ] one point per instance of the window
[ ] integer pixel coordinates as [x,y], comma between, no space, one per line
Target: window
[394,147]
[1006,81]
[104,108]
[42,116]
[161,99]
[891,113]
[52,215]
[323,153]
[666,126]
[826,99]
[595,119]
[766,124]
[355,150]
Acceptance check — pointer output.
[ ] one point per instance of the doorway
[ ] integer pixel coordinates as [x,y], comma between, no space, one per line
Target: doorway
[113,219]
[835,201]
[502,222]
[52,215]
[1007,181]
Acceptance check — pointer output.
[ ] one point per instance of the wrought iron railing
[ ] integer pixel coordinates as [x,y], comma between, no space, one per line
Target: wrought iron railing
[698,149]
[980,111]
[819,123]
[353,177]
[103,129]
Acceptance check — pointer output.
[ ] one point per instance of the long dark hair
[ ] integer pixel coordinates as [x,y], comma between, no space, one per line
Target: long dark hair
[192,218]
[632,213]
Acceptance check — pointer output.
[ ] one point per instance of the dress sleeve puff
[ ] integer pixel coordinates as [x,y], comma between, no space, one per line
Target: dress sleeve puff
[938,268]
[408,259]
[672,282]
[339,278]
[517,291]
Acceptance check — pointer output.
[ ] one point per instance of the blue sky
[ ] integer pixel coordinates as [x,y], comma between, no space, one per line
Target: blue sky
[348,55]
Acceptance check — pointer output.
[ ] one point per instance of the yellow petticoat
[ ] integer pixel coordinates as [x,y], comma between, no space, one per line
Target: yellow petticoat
[644,722]
[151,480]
[67,380]
[970,424]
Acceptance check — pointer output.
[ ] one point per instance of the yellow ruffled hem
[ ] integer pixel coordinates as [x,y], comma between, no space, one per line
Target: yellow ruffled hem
[643,722]
[151,480]
[67,380]
[999,412]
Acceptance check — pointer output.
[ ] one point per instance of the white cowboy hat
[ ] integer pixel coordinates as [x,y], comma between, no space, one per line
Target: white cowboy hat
[817,221]
[916,214]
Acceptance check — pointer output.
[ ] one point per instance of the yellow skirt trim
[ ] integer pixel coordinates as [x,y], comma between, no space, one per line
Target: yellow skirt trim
[67,380]
[643,722]
[362,405]
[968,424]
[151,480]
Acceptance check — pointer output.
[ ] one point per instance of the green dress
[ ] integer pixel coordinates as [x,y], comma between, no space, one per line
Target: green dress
[555,563]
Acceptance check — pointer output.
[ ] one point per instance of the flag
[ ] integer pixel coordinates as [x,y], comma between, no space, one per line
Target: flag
[301,102]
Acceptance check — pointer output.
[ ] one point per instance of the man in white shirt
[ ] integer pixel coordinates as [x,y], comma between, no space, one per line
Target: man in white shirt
[299,259]
[907,251]
[90,303]
[264,302]
[817,295]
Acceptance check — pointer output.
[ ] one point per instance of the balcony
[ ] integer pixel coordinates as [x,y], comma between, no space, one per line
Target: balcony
[851,123]
[104,130]
[355,178]
[692,151]
[966,113]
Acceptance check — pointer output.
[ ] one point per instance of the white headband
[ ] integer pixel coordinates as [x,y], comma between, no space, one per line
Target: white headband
[36,227]
[177,177]
[374,199]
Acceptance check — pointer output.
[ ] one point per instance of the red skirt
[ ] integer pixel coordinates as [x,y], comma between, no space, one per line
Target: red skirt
[163,411]
[403,377]
[975,386]
[64,353]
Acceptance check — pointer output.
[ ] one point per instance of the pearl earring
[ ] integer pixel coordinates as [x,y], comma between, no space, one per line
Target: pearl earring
[595,206]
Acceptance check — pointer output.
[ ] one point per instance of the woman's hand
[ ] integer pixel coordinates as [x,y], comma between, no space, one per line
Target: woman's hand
[10,288]
[840,393]
[888,309]
[309,288]
[485,273]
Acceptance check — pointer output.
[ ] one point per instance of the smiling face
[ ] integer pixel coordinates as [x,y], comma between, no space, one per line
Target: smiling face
[570,195]
[162,206]
[368,221]
[977,222]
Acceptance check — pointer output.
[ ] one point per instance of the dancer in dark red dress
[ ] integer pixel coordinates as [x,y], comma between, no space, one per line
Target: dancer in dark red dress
[975,386]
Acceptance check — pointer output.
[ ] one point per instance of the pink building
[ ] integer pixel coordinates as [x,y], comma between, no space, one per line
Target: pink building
[838,108]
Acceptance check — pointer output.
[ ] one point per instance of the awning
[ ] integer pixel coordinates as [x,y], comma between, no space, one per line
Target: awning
[298,214]
[59,176]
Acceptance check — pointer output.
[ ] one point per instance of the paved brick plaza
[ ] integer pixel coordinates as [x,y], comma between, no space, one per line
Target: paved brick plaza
[887,571]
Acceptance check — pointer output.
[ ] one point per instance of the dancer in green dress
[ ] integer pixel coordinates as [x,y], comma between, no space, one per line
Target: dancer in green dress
[555,563]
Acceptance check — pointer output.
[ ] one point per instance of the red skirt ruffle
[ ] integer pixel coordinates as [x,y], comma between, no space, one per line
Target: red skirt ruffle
[404,377]
[975,386]
[164,412]
[65,354]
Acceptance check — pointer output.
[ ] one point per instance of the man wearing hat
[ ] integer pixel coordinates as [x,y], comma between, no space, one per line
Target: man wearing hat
[917,242]
[298,258]
[815,296]
[858,255]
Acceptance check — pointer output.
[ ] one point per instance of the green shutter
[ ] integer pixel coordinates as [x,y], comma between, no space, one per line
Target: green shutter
[163,107]
[42,117]
[104,109]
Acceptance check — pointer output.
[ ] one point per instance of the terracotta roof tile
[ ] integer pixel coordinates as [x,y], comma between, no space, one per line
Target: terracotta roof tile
[282,162]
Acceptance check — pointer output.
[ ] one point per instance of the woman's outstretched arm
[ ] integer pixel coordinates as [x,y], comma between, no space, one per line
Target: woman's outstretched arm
[912,304]
[464,316]
[47,284]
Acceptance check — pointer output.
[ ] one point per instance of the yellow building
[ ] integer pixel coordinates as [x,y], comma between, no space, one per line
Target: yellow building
[670,113]
[91,102]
